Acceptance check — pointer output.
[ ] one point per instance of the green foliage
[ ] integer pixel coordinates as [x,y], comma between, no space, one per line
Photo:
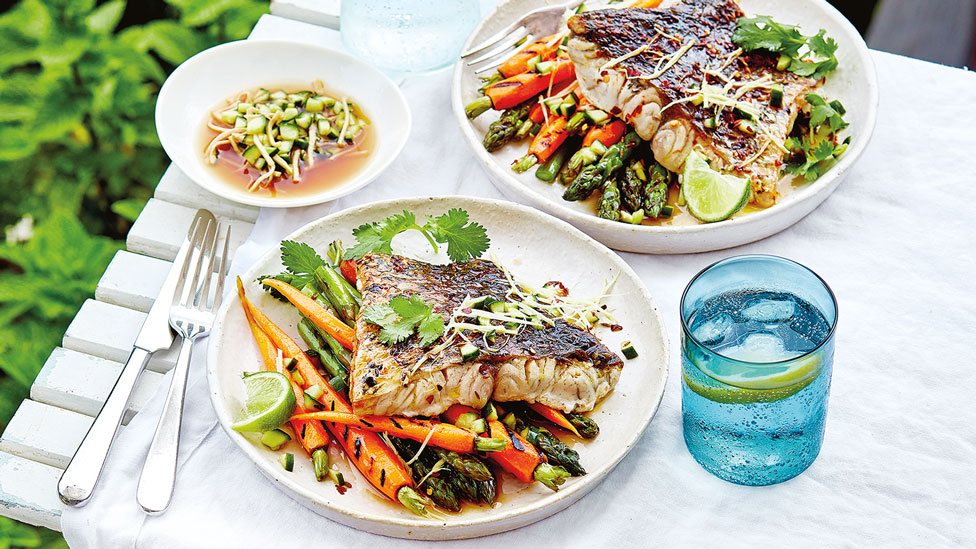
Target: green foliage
[15,534]
[78,101]
[45,281]
[79,153]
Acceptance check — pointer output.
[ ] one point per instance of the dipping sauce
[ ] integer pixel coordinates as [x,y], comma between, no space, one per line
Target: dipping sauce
[289,141]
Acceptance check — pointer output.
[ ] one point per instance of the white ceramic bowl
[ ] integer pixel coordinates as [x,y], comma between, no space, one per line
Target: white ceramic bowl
[854,83]
[200,84]
[535,247]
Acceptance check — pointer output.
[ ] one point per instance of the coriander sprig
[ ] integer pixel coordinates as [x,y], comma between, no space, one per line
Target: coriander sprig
[811,56]
[465,240]
[817,146]
[399,317]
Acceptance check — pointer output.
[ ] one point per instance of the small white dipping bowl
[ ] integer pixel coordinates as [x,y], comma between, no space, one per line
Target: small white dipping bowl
[202,82]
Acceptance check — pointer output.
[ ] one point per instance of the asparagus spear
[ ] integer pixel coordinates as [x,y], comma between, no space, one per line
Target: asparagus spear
[310,335]
[467,465]
[594,175]
[344,298]
[435,485]
[470,489]
[632,187]
[548,170]
[484,491]
[335,252]
[503,130]
[577,162]
[655,195]
[467,475]
[487,81]
[556,452]
[338,350]
[610,202]
[586,427]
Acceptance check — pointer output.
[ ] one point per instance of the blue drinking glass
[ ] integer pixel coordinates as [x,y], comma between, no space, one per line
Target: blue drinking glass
[757,341]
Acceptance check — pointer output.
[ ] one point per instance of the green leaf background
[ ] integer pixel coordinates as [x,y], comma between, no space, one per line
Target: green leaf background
[79,154]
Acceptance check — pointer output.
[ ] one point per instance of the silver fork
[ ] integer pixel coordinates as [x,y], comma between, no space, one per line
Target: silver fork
[531,26]
[191,316]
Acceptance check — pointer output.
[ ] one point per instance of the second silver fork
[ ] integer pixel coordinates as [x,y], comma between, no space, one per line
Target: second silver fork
[531,26]
[191,317]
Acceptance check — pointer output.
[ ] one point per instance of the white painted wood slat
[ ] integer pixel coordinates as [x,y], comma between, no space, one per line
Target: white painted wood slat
[81,383]
[109,331]
[175,187]
[44,433]
[29,492]
[132,280]
[162,226]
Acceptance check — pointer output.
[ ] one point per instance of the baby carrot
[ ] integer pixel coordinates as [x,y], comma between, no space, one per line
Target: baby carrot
[522,87]
[519,62]
[549,138]
[442,435]
[608,134]
[311,434]
[555,416]
[535,114]
[315,312]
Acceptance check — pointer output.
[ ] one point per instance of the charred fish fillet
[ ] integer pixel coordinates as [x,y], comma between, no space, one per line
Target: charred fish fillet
[645,65]
[561,366]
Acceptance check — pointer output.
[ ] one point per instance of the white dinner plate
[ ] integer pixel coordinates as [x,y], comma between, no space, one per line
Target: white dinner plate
[205,80]
[854,83]
[535,247]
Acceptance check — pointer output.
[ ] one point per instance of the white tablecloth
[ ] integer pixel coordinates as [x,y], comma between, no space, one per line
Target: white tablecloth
[896,243]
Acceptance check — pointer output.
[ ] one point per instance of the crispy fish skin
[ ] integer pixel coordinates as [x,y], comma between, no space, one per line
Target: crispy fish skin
[561,365]
[646,103]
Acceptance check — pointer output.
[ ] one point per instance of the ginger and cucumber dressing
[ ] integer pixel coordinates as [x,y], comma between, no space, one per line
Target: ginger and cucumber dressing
[277,142]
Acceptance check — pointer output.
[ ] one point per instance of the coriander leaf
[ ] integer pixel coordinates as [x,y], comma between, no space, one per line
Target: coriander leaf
[377,237]
[819,114]
[761,32]
[464,240]
[380,314]
[401,316]
[823,151]
[299,257]
[396,332]
[431,328]
[412,309]
[814,99]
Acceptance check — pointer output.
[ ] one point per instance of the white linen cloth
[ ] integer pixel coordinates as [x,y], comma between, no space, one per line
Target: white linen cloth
[896,243]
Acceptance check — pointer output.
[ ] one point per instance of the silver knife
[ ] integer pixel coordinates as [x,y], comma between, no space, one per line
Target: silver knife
[79,478]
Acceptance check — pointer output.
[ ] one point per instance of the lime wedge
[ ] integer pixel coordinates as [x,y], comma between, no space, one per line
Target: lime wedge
[710,195]
[772,376]
[270,402]
[731,383]
[717,392]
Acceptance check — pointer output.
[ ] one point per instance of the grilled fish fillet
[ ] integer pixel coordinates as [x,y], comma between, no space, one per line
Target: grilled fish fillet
[561,366]
[692,36]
